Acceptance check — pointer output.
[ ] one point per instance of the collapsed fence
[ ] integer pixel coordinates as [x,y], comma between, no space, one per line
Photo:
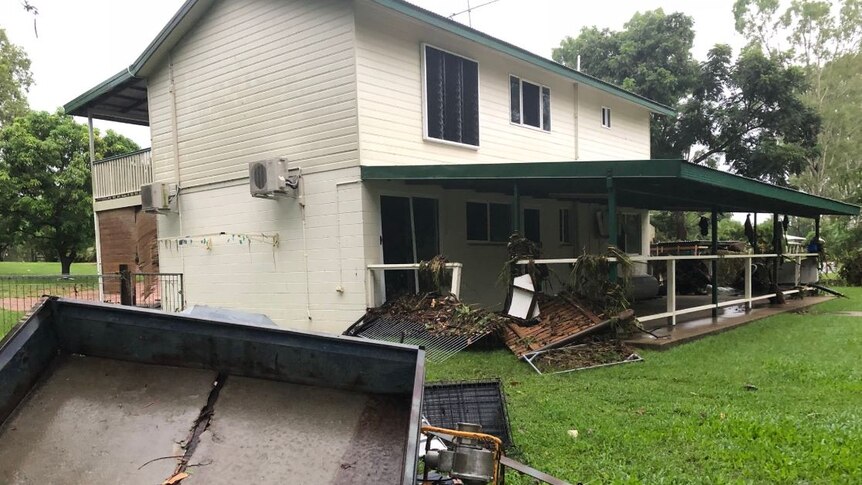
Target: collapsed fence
[20,293]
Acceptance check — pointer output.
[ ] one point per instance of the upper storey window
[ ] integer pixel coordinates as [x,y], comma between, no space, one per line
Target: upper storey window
[606,117]
[530,103]
[451,97]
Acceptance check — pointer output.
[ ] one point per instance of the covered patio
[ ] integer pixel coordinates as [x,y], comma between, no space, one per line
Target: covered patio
[672,185]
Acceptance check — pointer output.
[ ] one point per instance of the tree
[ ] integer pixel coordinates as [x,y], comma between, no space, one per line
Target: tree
[15,79]
[651,56]
[750,114]
[46,159]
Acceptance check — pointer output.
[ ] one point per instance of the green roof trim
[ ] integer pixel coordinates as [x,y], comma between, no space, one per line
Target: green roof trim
[474,35]
[91,94]
[645,184]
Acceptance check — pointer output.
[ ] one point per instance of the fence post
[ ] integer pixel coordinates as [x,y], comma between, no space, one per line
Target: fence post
[127,296]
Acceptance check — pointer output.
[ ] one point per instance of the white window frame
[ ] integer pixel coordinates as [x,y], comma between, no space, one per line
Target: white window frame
[424,79]
[521,101]
[487,205]
[606,120]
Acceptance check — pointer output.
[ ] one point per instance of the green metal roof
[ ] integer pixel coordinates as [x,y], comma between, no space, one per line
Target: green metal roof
[192,10]
[642,184]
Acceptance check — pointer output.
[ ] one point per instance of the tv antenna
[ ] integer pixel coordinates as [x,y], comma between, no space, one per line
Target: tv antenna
[470,9]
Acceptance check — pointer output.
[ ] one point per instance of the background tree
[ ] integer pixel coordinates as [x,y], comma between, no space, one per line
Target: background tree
[15,79]
[749,115]
[46,160]
[825,39]
[651,56]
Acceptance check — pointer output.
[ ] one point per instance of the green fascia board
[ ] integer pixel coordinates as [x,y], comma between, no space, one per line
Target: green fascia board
[679,170]
[106,86]
[474,35]
[729,181]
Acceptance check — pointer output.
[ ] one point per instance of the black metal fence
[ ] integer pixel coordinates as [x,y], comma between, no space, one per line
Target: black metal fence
[20,293]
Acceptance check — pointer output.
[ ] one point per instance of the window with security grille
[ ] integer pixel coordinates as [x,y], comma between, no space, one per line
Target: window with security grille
[451,97]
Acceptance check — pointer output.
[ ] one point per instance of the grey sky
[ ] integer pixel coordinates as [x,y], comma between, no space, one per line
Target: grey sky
[83,42]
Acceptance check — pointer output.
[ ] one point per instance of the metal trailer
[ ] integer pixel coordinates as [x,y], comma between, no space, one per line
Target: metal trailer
[96,393]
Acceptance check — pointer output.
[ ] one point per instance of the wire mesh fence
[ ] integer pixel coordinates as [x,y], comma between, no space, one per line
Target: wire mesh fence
[20,293]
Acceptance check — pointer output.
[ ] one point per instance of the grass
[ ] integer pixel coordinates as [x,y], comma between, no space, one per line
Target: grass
[8,319]
[685,416]
[16,268]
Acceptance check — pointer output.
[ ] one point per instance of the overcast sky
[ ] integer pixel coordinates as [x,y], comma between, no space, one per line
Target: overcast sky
[83,42]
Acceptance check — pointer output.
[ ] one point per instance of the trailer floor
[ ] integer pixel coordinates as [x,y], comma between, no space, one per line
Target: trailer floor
[275,432]
[95,420]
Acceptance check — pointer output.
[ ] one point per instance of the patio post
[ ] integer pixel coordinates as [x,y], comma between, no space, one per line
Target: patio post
[516,210]
[714,229]
[776,248]
[612,221]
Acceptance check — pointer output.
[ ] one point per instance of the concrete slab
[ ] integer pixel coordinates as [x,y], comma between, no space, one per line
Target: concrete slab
[95,420]
[273,432]
[702,324]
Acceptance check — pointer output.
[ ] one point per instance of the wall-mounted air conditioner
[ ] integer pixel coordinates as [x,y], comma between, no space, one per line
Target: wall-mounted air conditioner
[159,198]
[268,178]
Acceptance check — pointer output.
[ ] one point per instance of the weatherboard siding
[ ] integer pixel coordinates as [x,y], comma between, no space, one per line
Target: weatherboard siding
[258,79]
[389,74]
[628,138]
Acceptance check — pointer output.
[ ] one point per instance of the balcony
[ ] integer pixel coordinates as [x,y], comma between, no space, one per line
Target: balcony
[122,175]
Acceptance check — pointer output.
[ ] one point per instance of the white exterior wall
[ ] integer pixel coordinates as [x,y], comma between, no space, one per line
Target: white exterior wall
[628,138]
[276,281]
[390,80]
[257,79]
[390,83]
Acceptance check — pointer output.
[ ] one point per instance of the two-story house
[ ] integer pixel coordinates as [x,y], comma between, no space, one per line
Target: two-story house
[409,134]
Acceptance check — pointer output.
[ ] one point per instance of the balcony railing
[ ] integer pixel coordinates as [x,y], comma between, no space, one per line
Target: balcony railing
[122,175]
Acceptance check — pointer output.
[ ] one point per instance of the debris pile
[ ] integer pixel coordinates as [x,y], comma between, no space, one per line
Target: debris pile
[441,314]
[561,320]
[440,323]
[595,352]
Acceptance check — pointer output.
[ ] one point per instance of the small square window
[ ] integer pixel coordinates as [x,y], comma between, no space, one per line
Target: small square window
[606,117]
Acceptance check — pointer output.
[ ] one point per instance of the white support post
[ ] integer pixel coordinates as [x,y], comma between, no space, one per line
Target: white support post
[671,290]
[98,235]
[748,302]
[456,279]
[370,289]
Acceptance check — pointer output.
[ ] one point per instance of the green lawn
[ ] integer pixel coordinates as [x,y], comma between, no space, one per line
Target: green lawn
[685,416]
[8,319]
[15,268]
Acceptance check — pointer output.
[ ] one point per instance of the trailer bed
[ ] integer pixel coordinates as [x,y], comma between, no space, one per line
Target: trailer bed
[98,394]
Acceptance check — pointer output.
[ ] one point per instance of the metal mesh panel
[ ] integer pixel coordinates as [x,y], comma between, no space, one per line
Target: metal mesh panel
[479,402]
[438,347]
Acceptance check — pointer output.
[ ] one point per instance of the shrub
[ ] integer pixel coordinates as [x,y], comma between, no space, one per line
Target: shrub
[851,268]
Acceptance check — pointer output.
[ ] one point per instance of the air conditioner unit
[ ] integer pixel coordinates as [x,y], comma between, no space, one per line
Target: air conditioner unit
[269,179]
[158,197]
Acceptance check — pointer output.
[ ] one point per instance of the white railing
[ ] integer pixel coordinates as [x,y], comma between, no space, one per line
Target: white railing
[123,175]
[371,280]
[672,312]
